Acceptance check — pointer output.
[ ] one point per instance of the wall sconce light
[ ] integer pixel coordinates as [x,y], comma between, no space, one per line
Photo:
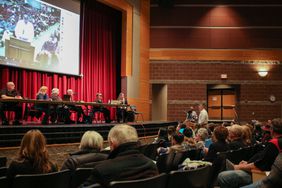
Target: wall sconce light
[262,73]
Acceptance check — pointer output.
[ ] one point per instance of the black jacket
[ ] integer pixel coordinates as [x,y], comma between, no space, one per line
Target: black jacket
[124,163]
[83,158]
[25,167]
[236,144]
[215,147]
[275,177]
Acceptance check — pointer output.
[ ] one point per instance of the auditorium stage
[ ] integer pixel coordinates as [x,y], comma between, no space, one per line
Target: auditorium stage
[59,134]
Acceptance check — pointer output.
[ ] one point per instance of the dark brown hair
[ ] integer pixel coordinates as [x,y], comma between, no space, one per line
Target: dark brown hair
[220,133]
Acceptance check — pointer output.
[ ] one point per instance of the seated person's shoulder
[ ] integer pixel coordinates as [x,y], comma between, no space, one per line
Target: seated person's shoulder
[83,160]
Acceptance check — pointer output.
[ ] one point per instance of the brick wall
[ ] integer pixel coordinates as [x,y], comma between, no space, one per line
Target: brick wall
[193,42]
[187,84]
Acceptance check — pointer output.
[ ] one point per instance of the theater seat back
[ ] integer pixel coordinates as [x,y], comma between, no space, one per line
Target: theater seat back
[51,180]
[159,181]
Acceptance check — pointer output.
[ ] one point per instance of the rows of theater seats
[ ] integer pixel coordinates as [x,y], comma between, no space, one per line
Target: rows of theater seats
[168,165]
[67,179]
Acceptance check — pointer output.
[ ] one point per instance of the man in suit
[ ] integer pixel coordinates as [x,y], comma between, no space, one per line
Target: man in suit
[125,162]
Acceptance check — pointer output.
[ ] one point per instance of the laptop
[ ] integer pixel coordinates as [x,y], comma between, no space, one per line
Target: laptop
[66,97]
[115,102]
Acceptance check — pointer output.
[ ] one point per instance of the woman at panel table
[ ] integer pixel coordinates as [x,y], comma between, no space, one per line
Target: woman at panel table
[42,95]
[121,111]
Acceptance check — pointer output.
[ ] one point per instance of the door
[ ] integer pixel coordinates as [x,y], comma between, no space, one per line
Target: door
[221,104]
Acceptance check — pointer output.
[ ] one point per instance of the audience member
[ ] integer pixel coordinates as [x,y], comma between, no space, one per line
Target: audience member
[266,132]
[219,144]
[88,155]
[226,124]
[241,176]
[191,115]
[125,161]
[189,142]
[32,157]
[247,136]
[192,126]
[236,137]
[257,131]
[274,179]
[176,145]
[42,95]
[162,139]
[203,116]
[10,93]
[180,127]
[212,126]
[170,131]
[202,139]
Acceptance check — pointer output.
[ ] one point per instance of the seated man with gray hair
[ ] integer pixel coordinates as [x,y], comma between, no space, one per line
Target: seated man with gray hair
[125,162]
[78,109]
[59,112]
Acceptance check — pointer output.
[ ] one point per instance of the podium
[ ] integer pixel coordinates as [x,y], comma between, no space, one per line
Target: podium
[19,50]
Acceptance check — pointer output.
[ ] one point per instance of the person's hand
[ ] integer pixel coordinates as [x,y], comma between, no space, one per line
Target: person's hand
[243,162]
[236,167]
[241,166]
[18,97]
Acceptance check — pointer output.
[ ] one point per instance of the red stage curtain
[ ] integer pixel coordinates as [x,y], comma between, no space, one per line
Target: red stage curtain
[99,42]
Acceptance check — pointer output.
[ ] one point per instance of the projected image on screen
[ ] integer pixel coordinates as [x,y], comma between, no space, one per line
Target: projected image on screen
[40,36]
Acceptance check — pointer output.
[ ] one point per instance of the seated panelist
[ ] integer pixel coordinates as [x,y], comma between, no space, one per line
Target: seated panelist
[121,112]
[59,111]
[77,109]
[42,95]
[105,111]
[10,93]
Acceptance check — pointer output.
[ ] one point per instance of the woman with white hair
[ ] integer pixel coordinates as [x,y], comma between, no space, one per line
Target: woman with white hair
[125,162]
[88,155]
